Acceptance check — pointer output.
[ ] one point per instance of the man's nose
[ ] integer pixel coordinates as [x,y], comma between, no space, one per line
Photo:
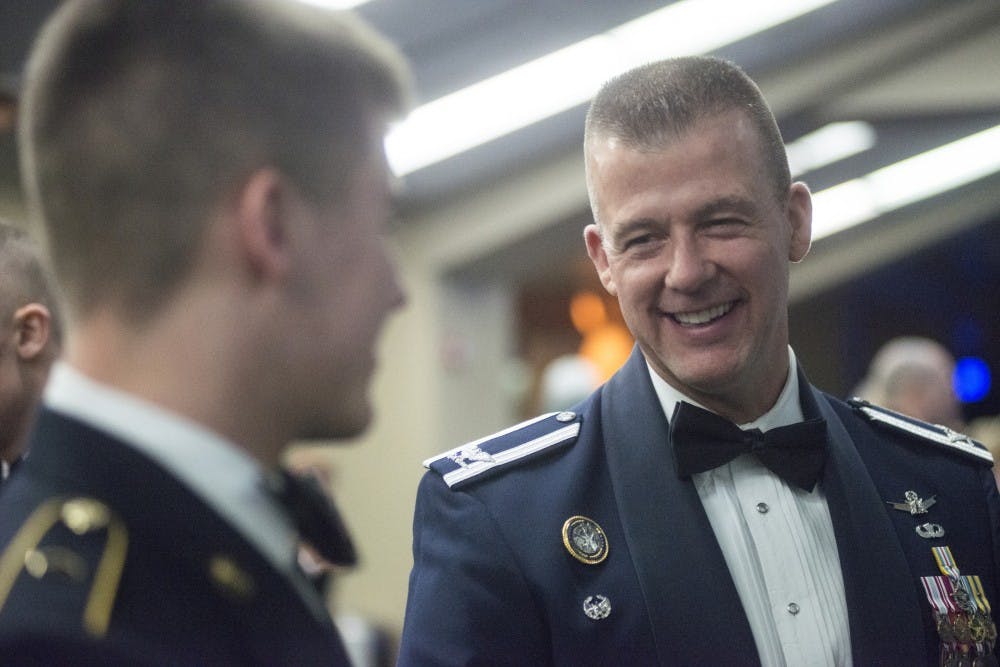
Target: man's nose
[688,267]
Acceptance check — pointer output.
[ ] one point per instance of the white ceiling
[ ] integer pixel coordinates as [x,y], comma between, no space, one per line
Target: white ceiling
[922,71]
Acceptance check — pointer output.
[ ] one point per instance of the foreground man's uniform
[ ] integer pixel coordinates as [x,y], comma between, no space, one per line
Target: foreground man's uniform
[572,540]
[112,559]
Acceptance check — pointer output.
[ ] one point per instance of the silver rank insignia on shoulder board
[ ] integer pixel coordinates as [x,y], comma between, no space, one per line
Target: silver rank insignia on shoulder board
[948,439]
[520,443]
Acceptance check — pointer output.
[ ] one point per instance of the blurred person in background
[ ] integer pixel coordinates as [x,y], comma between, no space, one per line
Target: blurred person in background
[914,376]
[707,505]
[30,338]
[209,182]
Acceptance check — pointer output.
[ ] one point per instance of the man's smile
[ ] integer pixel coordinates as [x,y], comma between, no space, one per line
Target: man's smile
[700,317]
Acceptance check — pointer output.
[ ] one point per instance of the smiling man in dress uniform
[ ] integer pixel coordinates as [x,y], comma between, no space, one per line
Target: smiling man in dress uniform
[707,505]
[209,181]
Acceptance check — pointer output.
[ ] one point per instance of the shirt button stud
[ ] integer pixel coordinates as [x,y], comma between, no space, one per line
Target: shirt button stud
[763,508]
[792,608]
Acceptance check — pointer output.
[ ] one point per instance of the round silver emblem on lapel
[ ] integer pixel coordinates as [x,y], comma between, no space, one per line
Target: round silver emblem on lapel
[597,607]
[566,416]
[585,540]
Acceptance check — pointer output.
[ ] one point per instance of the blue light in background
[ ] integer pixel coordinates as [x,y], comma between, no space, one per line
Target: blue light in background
[971,379]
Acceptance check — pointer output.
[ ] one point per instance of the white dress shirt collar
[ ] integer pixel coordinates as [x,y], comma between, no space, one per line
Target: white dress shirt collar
[786,410]
[222,474]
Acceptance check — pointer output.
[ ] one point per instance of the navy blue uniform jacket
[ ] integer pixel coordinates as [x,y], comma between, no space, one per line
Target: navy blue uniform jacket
[493,584]
[138,570]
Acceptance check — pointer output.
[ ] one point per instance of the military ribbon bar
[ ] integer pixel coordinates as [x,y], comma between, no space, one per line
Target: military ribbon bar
[946,562]
[978,594]
[939,594]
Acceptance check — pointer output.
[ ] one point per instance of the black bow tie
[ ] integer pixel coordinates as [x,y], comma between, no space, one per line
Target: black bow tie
[314,515]
[703,440]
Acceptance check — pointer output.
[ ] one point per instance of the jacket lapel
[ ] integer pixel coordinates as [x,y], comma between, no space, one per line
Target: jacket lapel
[882,602]
[689,594]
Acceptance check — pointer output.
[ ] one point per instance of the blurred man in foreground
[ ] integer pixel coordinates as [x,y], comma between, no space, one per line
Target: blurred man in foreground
[209,180]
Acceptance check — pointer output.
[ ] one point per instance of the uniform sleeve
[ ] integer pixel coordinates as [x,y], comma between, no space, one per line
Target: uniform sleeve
[468,602]
[54,648]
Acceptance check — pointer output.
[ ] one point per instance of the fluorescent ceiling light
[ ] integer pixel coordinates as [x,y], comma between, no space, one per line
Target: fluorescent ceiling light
[335,4]
[919,177]
[830,143]
[566,78]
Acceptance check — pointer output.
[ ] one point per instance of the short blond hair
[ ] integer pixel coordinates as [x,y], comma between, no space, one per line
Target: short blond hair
[649,106]
[138,117]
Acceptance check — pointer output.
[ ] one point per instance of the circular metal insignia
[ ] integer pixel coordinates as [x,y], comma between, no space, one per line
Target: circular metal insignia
[585,540]
[83,515]
[597,607]
[230,577]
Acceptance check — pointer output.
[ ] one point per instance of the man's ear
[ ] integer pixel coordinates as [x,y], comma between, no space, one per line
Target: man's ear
[799,213]
[599,256]
[261,222]
[33,327]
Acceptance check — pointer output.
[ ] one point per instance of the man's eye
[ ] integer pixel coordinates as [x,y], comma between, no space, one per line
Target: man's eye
[724,224]
[637,241]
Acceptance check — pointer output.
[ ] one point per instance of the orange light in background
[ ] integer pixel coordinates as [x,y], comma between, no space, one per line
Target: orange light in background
[587,312]
[607,349]
[606,344]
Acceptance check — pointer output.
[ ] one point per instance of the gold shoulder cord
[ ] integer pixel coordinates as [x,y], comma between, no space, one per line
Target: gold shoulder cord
[101,601]
[26,539]
[81,515]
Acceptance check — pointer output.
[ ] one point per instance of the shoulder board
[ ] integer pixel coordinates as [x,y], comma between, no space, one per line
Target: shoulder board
[76,546]
[518,443]
[940,435]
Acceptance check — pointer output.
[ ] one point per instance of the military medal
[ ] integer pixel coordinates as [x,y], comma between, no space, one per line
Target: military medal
[962,614]
[585,540]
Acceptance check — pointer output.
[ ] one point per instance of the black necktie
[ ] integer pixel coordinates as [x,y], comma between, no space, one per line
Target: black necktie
[703,440]
[314,515]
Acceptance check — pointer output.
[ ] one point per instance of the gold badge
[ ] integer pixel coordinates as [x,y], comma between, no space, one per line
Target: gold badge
[82,515]
[585,540]
[230,578]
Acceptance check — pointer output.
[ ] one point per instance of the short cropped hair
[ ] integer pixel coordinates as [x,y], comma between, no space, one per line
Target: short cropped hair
[24,278]
[139,116]
[652,105]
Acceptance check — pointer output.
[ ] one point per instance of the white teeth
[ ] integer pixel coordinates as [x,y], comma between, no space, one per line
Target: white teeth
[704,316]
